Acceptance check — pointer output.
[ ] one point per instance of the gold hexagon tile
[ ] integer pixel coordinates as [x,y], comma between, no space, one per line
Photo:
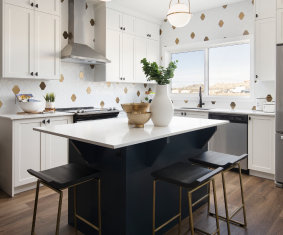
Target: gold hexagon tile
[42,85]
[16,90]
[61,78]
[253,2]
[224,6]
[254,108]
[145,85]
[86,6]
[88,90]
[246,32]
[160,31]
[1,104]
[177,41]
[125,90]
[92,66]
[108,84]
[241,16]
[186,101]
[102,104]
[117,100]
[92,22]
[73,97]
[138,93]
[221,23]
[173,27]
[202,17]
[81,75]
[206,39]
[193,35]
[165,20]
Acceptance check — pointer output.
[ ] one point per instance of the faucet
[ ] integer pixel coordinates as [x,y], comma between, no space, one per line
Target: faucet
[200,104]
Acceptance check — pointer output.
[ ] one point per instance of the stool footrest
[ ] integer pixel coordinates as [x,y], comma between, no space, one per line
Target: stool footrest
[204,232]
[87,222]
[168,222]
[200,200]
[223,218]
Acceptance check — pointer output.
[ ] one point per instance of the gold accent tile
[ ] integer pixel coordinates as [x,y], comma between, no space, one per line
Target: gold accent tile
[125,90]
[86,6]
[73,97]
[81,75]
[92,66]
[224,6]
[42,85]
[102,104]
[254,108]
[206,39]
[117,100]
[202,17]
[145,85]
[213,102]
[92,22]
[253,2]
[16,90]
[221,23]
[173,27]
[246,32]
[138,93]
[1,104]
[186,101]
[193,35]
[241,16]
[165,20]
[233,105]
[177,41]
[61,78]
[160,31]
[88,90]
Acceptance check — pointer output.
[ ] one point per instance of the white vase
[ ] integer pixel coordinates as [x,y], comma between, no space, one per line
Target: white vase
[50,106]
[161,107]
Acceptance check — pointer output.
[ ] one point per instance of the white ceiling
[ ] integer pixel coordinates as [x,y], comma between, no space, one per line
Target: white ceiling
[158,8]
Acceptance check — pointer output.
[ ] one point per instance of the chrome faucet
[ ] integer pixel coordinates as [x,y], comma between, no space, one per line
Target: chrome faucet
[200,104]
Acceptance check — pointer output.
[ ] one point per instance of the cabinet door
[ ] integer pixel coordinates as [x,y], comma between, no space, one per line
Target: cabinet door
[265,49]
[280,26]
[18,42]
[113,19]
[128,57]
[279,4]
[139,53]
[265,9]
[153,31]
[153,51]
[50,6]
[128,24]
[262,144]
[54,149]
[47,41]
[140,28]
[26,151]
[113,53]
[22,3]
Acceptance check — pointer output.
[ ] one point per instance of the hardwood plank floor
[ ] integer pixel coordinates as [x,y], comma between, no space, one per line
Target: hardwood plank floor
[264,204]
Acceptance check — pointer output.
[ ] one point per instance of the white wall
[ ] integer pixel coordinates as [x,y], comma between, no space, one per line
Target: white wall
[236,20]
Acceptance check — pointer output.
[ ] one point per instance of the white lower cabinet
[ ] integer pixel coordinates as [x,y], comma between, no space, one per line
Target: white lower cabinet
[261,144]
[29,149]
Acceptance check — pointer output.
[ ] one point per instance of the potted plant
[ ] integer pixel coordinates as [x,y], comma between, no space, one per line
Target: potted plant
[50,102]
[161,107]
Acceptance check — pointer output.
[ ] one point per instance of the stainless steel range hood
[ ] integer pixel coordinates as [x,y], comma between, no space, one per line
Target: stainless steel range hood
[77,51]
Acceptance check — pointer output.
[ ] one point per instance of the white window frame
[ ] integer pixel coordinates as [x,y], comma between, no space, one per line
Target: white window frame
[168,51]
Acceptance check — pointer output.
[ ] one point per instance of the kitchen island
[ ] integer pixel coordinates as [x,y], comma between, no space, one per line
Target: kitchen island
[126,156]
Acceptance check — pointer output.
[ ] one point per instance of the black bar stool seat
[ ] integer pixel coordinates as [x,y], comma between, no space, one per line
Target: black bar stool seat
[212,159]
[63,177]
[191,177]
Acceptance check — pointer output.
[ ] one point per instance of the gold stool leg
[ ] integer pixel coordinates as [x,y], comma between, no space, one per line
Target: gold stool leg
[180,210]
[35,207]
[191,213]
[226,203]
[215,206]
[59,212]
[242,194]
[99,205]
[75,209]
[208,204]
[153,207]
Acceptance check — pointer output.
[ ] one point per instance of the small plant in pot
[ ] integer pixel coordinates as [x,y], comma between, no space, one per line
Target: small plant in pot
[161,107]
[50,102]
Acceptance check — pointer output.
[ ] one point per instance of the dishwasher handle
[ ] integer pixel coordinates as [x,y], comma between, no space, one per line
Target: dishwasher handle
[233,118]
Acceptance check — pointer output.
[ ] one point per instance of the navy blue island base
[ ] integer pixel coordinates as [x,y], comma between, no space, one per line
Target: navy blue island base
[126,183]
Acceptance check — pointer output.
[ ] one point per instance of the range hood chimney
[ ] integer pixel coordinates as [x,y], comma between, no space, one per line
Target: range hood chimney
[77,51]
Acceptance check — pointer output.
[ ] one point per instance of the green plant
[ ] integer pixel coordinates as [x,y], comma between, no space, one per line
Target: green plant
[157,73]
[49,97]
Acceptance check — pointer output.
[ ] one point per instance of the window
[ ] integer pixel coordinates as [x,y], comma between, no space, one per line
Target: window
[220,71]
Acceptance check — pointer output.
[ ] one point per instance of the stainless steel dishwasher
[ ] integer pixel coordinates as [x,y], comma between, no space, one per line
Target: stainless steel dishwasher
[231,138]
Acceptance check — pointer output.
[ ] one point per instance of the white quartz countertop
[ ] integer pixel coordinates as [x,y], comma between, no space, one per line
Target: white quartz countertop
[229,111]
[21,116]
[116,133]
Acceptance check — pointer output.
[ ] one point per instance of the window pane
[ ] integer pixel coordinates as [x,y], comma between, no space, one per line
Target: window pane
[189,75]
[229,70]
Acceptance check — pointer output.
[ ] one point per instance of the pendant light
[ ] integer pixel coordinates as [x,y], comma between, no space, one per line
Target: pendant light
[179,14]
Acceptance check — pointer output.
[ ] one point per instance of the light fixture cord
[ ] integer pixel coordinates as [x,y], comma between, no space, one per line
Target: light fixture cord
[179,3]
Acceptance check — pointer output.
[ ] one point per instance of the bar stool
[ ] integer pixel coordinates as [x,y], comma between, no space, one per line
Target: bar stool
[63,177]
[212,159]
[192,178]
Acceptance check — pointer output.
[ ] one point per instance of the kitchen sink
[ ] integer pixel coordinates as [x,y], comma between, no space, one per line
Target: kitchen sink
[188,108]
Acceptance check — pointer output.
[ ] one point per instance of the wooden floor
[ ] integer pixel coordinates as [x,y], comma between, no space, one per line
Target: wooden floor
[264,203]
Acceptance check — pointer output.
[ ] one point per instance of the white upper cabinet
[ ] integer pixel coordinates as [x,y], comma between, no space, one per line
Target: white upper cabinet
[50,6]
[279,4]
[47,41]
[265,49]
[265,9]
[127,58]
[152,51]
[21,3]
[18,42]
[118,21]
[140,46]
[146,29]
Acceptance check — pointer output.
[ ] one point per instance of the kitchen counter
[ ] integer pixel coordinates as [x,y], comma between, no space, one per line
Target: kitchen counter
[126,157]
[21,116]
[230,111]
[116,133]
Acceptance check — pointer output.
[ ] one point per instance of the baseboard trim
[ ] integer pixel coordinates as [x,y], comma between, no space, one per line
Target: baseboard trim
[262,174]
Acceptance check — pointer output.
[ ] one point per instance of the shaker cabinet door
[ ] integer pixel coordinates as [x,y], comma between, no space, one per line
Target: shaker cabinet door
[140,53]
[50,6]
[128,58]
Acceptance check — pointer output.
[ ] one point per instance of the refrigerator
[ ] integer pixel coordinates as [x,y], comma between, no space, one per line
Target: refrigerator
[279,117]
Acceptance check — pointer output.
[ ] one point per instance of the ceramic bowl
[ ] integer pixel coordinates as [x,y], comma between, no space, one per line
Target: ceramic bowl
[32,107]
[138,119]
[136,107]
